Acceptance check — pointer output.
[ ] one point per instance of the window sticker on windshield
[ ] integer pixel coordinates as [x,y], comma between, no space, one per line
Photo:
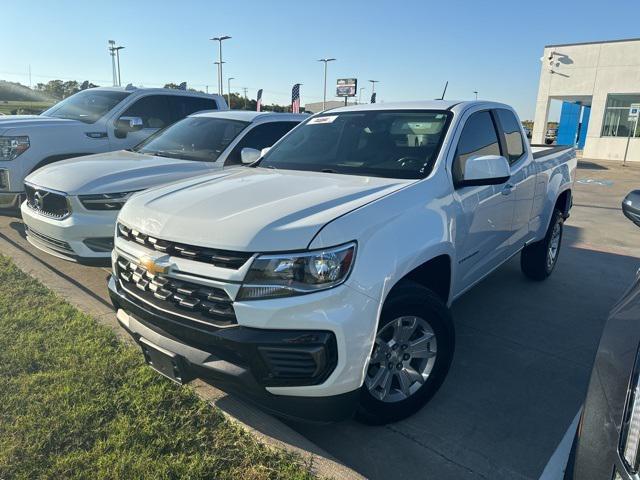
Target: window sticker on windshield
[321,120]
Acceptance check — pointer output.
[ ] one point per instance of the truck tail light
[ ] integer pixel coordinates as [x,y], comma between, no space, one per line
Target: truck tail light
[630,437]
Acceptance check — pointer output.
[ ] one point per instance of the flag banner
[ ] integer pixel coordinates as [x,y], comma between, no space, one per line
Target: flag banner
[373,97]
[259,100]
[295,98]
[182,86]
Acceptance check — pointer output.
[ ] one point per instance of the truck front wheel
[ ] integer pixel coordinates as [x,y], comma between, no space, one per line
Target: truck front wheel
[538,260]
[411,356]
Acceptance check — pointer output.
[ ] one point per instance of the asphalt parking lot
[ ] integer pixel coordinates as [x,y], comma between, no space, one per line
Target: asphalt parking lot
[523,357]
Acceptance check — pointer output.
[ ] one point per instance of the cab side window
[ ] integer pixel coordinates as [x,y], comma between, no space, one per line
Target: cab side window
[154,110]
[512,135]
[478,138]
[182,106]
[259,137]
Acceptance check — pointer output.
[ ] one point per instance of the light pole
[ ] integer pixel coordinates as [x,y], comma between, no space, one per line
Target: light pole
[373,86]
[360,94]
[476,92]
[220,62]
[229,90]
[112,45]
[324,97]
[117,50]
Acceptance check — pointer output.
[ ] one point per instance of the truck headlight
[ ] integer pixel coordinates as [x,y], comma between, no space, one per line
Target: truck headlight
[284,275]
[12,147]
[630,437]
[105,201]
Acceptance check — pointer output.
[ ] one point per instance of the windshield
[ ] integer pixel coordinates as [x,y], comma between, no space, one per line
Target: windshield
[393,144]
[88,106]
[193,138]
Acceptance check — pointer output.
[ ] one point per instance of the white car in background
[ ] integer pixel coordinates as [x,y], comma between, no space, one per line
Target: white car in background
[71,206]
[96,120]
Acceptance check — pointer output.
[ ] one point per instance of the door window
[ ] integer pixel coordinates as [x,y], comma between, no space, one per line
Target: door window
[182,106]
[154,110]
[478,138]
[259,137]
[512,135]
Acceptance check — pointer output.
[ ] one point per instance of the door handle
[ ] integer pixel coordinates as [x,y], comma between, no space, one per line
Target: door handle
[508,188]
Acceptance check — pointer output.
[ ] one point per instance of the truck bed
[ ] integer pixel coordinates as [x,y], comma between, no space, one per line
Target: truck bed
[540,151]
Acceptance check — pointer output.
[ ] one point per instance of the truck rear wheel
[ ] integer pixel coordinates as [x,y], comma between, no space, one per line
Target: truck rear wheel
[411,356]
[538,260]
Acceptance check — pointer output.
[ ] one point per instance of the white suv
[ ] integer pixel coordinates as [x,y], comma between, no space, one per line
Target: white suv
[71,206]
[91,121]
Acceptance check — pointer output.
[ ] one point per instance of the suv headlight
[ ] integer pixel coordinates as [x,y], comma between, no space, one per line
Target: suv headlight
[12,147]
[630,437]
[105,201]
[285,275]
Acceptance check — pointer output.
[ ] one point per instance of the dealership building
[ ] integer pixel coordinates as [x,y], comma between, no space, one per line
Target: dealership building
[599,86]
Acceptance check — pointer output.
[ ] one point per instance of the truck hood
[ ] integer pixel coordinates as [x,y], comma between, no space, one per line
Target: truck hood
[114,172]
[24,122]
[252,209]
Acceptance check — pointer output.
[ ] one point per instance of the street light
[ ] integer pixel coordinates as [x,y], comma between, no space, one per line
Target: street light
[117,50]
[112,44]
[324,97]
[373,86]
[229,90]
[360,94]
[220,62]
[476,92]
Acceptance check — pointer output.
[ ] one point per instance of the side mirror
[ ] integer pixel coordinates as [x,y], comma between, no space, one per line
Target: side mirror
[485,170]
[124,125]
[249,155]
[631,206]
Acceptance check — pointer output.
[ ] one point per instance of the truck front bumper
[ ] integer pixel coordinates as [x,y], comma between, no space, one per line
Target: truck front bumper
[248,361]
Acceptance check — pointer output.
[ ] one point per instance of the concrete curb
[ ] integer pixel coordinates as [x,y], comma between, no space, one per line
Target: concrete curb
[266,428]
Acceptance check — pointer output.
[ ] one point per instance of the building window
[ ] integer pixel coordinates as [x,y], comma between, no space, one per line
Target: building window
[616,116]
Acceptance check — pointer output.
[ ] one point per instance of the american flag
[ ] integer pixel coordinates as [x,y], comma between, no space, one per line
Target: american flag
[182,86]
[373,97]
[295,98]
[259,101]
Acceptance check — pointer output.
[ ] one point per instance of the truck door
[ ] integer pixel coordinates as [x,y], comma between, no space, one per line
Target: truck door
[155,113]
[523,177]
[483,228]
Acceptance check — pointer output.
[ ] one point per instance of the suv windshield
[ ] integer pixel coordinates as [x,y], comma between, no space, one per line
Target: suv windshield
[393,144]
[193,138]
[88,106]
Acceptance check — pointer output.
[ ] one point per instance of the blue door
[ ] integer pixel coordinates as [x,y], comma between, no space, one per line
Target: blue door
[582,137]
[569,120]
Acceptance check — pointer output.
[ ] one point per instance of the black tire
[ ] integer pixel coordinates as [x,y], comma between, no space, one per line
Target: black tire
[411,299]
[534,259]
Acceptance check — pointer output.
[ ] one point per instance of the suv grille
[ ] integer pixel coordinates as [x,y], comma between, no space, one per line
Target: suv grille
[179,298]
[219,258]
[47,203]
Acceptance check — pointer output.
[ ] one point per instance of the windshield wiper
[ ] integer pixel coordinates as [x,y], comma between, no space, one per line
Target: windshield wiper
[328,170]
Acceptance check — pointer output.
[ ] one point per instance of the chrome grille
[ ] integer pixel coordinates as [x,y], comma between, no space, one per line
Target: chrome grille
[47,203]
[51,242]
[182,299]
[219,258]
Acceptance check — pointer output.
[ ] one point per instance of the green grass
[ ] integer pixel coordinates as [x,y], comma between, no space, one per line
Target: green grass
[75,403]
[9,106]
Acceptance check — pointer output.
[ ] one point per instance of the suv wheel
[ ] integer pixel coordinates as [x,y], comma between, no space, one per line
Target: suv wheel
[538,260]
[411,356]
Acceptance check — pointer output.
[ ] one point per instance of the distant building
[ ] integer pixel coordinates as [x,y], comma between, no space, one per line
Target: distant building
[317,106]
[598,83]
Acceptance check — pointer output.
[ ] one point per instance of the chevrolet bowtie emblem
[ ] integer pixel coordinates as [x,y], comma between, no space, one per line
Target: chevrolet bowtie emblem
[151,265]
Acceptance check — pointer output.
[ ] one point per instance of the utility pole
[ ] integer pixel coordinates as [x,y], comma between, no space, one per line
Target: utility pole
[229,90]
[373,86]
[29,75]
[112,45]
[220,62]
[324,96]
[117,50]
[245,97]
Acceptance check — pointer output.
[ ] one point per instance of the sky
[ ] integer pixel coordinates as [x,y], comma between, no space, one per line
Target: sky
[411,47]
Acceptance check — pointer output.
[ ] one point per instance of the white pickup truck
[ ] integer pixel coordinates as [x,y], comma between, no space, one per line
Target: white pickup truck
[318,281]
[91,121]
